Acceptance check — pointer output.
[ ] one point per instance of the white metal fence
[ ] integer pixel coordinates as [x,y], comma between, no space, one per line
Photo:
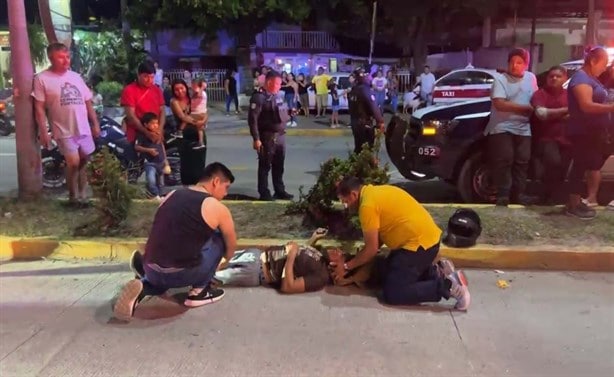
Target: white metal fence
[297,40]
[404,81]
[213,77]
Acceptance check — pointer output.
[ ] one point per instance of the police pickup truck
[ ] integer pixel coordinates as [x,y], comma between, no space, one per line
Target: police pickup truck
[447,141]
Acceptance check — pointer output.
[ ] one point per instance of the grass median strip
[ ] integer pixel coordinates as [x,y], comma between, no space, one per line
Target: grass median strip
[502,226]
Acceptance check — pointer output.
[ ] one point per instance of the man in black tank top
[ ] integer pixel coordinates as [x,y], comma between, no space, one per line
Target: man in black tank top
[178,252]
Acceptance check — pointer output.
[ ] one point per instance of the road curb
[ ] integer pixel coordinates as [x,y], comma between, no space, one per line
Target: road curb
[330,132]
[481,256]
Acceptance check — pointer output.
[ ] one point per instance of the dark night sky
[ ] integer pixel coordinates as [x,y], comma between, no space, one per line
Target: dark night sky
[81,10]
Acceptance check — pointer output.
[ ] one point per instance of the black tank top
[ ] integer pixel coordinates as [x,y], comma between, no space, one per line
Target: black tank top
[302,90]
[178,232]
[288,89]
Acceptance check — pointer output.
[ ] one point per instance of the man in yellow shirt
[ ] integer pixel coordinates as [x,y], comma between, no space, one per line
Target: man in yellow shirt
[389,215]
[321,81]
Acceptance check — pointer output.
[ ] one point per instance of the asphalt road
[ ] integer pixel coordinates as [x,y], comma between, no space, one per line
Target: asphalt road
[56,320]
[303,158]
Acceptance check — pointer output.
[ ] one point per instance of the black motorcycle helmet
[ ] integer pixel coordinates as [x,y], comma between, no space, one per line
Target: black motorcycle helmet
[464,228]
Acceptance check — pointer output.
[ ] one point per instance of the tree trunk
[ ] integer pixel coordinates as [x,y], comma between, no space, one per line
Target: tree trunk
[590,24]
[45,14]
[29,173]
[126,36]
[419,48]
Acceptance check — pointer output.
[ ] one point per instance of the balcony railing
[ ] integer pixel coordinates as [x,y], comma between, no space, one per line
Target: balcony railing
[297,40]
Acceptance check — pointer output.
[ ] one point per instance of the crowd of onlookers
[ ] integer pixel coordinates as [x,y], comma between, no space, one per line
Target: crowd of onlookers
[550,126]
[553,125]
[386,86]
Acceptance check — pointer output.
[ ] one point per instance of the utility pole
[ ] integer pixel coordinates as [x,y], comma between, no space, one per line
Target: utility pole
[373,26]
[590,24]
[29,174]
[532,65]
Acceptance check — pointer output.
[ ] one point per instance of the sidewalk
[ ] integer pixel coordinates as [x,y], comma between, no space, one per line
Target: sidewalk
[57,321]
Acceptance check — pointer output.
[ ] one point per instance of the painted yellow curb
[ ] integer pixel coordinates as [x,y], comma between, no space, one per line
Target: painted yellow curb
[333,132]
[480,256]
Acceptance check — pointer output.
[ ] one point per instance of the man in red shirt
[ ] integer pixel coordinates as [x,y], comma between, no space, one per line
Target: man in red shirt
[141,97]
[548,126]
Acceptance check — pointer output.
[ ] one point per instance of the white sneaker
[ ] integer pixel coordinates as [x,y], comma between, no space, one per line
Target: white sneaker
[588,204]
[289,124]
[445,267]
[610,206]
[294,124]
[459,290]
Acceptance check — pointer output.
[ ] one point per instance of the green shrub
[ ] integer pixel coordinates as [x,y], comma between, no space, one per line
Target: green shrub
[110,91]
[318,203]
[110,186]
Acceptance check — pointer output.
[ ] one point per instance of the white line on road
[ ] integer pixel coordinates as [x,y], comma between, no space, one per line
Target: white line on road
[8,154]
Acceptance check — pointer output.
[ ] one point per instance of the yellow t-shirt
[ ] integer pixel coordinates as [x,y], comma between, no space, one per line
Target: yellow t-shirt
[401,221]
[321,82]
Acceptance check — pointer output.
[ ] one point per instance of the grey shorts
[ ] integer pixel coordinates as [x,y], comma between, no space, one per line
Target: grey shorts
[243,270]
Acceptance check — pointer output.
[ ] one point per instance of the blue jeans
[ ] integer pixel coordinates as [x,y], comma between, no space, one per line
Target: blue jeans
[243,270]
[233,97]
[410,277]
[427,98]
[380,99]
[158,280]
[153,173]
[394,102]
[291,101]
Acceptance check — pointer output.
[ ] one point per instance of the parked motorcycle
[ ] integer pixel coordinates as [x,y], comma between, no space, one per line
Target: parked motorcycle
[112,136]
[6,114]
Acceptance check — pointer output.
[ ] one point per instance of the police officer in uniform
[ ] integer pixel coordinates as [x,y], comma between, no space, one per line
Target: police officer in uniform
[267,118]
[363,109]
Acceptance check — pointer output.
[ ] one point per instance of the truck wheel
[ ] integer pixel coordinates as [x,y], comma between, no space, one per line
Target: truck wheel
[473,181]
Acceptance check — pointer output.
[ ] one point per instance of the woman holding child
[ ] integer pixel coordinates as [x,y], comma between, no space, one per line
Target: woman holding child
[191,129]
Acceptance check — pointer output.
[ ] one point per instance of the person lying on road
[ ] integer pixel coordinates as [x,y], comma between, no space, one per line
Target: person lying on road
[292,268]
